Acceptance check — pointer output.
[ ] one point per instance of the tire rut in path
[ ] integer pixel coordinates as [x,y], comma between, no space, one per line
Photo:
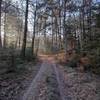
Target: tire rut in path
[46,69]
[33,88]
[60,84]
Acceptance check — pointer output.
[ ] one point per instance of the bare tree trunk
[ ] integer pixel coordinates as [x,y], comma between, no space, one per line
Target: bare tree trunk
[89,20]
[45,36]
[83,24]
[19,40]
[37,49]
[16,43]
[0,25]
[52,32]
[33,38]
[38,39]
[64,26]
[81,33]
[56,29]
[25,31]
[20,35]
[4,38]
[59,29]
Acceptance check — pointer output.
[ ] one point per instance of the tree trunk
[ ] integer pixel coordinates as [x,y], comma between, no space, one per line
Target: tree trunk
[59,29]
[52,32]
[19,40]
[0,25]
[64,26]
[4,38]
[81,33]
[25,31]
[38,39]
[89,20]
[56,33]
[33,38]
[45,36]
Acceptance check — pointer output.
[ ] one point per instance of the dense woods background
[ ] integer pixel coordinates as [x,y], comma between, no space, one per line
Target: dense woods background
[68,30]
[29,27]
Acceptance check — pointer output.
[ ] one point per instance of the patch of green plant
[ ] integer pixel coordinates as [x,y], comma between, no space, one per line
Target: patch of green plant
[93,51]
[73,62]
[28,55]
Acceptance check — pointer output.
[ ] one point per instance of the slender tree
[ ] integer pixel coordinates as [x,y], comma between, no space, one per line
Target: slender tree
[64,27]
[0,24]
[33,37]
[25,31]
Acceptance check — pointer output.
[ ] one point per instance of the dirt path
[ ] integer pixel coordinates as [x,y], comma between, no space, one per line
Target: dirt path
[55,81]
[60,83]
[33,89]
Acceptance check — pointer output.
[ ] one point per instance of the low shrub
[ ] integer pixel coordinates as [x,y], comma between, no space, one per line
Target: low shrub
[73,61]
[28,55]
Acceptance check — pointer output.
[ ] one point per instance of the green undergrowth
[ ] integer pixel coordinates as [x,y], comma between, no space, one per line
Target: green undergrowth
[94,58]
[93,50]
[11,61]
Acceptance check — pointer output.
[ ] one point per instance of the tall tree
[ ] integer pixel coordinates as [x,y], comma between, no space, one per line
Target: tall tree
[89,18]
[25,31]
[0,24]
[64,27]
[33,37]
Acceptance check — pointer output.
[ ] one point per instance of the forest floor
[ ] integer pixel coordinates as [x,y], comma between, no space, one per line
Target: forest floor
[56,82]
[13,85]
[50,81]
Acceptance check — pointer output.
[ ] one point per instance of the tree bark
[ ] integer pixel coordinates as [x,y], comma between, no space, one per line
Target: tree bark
[59,29]
[0,24]
[4,38]
[64,26]
[25,31]
[33,38]
[89,20]
[52,31]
